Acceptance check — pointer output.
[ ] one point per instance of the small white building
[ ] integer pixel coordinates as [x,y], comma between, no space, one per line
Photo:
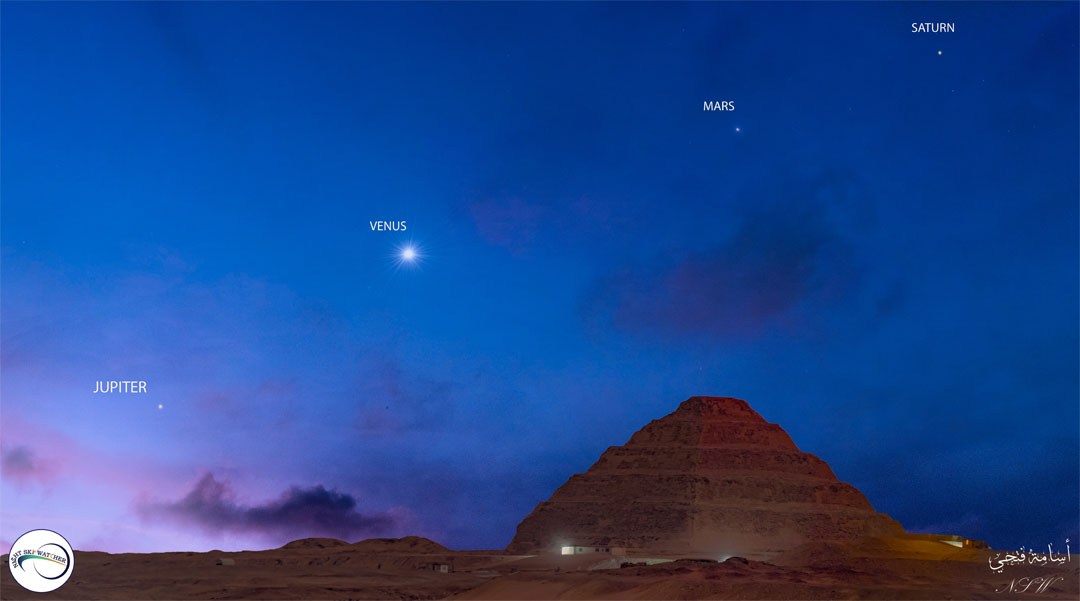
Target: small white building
[576,550]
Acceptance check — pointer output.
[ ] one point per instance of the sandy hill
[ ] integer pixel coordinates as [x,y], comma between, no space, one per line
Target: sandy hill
[407,544]
[314,543]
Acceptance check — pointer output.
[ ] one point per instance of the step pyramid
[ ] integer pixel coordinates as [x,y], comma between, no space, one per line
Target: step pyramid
[712,479]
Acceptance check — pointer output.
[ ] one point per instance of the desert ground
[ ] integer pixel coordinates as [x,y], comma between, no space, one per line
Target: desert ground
[403,569]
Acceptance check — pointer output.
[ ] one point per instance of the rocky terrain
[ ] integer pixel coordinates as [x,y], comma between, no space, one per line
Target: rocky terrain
[843,572]
[314,568]
[887,568]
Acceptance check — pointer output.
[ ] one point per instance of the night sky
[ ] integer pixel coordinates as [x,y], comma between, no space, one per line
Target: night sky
[878,250]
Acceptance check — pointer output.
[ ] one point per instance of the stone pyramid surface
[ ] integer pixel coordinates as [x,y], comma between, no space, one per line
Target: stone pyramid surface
[711,479]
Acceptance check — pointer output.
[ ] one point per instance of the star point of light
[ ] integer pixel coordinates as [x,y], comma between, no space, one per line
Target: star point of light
[408,255]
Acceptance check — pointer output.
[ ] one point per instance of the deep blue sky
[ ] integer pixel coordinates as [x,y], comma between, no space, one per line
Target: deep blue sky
[883,258]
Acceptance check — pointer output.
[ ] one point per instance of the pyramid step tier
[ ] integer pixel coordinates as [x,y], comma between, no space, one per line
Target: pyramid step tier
[711,477]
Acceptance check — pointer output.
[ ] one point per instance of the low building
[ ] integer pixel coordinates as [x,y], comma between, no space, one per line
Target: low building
[579,550]
[954,540]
